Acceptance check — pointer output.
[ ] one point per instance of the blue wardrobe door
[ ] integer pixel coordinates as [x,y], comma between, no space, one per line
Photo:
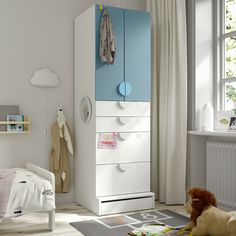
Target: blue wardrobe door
[108,77]
[138,54]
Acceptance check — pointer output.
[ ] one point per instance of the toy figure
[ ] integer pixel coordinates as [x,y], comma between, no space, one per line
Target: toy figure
[206,218]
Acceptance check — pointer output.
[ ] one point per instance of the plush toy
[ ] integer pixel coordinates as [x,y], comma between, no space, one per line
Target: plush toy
[206,218]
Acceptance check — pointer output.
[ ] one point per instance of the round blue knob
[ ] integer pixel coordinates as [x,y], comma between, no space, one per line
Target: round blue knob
[128,89]
[122,88]
[125,89]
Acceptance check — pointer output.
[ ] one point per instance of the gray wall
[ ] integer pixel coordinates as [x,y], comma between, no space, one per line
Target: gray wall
[38,34]
[190,11]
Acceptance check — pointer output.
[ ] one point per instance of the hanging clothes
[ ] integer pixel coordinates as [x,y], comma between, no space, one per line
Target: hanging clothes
[107,39]
[59,161]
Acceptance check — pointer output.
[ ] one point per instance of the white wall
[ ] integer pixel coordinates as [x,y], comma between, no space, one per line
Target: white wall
[39,34]
[200,59]
[200,83]
[204,85]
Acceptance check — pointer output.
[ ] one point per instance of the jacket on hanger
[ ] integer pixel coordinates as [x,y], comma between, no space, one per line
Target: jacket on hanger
[59,161]
[107,39]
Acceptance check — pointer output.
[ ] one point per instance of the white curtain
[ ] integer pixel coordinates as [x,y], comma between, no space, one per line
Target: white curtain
[169,99]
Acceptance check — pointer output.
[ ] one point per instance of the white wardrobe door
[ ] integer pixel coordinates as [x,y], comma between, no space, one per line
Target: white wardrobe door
[131,147]
[126,178]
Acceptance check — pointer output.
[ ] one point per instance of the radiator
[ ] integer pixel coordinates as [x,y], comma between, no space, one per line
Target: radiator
[221,173]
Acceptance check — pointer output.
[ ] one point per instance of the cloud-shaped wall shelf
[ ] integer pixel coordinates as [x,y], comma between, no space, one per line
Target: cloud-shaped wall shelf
[44,78]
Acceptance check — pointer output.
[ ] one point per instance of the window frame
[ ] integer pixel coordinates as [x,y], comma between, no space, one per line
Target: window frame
[222,36]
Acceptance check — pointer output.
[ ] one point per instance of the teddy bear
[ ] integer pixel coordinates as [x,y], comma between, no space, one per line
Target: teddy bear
[206,218]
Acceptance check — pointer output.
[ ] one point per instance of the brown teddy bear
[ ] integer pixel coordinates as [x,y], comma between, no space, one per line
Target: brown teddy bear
[206,218]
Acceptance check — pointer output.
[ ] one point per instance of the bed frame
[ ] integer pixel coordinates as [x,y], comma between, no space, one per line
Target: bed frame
[50,177]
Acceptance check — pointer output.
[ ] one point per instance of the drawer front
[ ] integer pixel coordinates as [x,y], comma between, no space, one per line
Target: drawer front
[122,108]
[131,147]
[122,124]
[126,178]
[127,205]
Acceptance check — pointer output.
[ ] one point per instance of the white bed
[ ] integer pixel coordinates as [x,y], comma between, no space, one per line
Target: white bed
[28,194]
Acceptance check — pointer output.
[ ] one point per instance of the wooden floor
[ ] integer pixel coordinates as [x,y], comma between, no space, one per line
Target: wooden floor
[37,223]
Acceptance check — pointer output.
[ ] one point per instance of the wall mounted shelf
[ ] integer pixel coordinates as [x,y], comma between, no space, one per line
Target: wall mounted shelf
[26,123]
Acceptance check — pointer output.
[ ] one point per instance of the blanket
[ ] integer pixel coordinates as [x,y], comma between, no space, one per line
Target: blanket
[22,191]
[6,179]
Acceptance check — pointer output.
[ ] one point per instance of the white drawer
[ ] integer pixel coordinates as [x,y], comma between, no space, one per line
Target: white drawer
[122,108]
[131,147]
[122,124]
[126,178]
[124,205]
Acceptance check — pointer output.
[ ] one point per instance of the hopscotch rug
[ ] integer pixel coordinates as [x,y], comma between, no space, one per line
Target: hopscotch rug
[163,222]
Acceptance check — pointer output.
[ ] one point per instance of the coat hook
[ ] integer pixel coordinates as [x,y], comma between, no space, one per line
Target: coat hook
[60,115]
[59,108]
[101,7]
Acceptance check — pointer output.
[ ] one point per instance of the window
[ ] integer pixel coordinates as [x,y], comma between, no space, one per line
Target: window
[228,58]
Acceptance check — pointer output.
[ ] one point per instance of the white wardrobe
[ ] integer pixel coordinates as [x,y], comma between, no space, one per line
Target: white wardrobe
[111,180]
